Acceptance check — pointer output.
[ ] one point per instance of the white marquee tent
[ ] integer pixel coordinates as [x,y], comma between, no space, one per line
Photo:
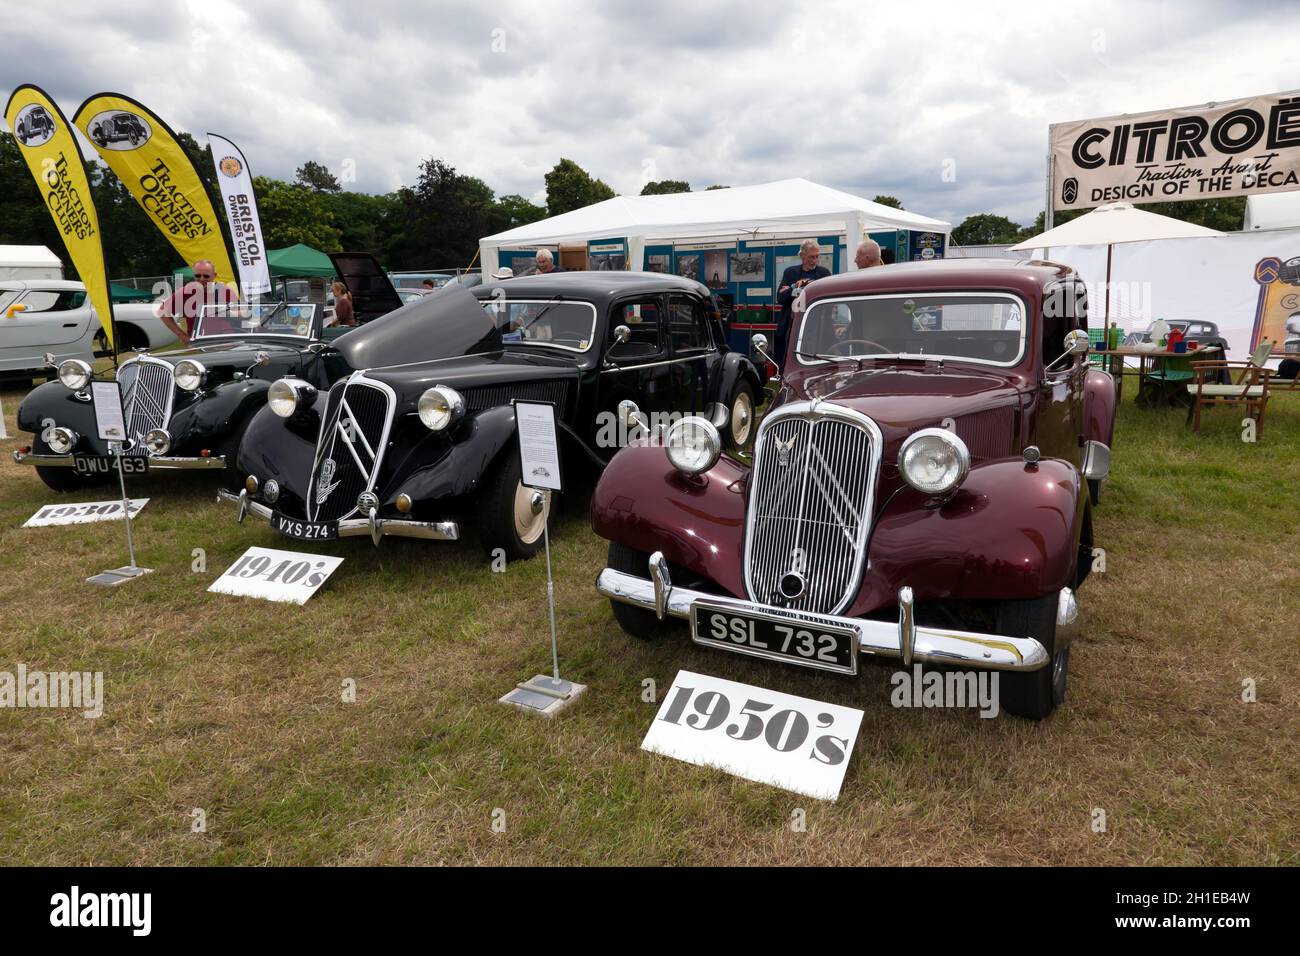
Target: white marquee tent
[788,207]
[29,262]
[1273,211]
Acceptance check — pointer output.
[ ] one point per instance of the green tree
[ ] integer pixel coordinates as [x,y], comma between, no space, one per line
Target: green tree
[707,188]
[985,229]
[511,211]
[440,220]
[664,186]
[316,176]
[569,187]
[362,220]
[893,201]
[291,213]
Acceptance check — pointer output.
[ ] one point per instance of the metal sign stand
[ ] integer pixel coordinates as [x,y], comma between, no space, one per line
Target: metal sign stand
[116,576]
[542,694]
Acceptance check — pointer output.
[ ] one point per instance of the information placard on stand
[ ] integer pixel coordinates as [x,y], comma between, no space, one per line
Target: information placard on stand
[110,424]
[539,469]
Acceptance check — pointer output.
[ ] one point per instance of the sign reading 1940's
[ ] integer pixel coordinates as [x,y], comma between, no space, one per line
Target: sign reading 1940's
[1235,148]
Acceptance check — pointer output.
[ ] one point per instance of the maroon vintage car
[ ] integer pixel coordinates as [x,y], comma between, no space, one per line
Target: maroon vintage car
[921,488]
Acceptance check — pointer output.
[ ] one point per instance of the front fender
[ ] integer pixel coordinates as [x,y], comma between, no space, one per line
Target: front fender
[474,446]
[1010,532]
[642,501]
[216,414]
[1099,407]
[283,450]
[53,403]
[737,368]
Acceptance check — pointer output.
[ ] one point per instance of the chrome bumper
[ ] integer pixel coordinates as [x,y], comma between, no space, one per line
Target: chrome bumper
[905,640]
[373,525]
[215,462]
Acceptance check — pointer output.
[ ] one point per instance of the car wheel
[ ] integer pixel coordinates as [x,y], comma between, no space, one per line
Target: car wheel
[67,479]
[1033,694]
[740,417]
[507,519]
[638,622]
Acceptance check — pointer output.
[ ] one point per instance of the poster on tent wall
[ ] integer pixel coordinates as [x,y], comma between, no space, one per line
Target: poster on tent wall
[54,158]
[1246,283]
[1236,148]
[235,183]
[145,154]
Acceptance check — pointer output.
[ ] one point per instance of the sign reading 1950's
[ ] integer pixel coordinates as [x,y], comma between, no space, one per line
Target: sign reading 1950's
[1235,148]
[276,575]
[790,742]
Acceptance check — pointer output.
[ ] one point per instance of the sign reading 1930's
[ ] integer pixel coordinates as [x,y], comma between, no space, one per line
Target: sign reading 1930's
[1235,148]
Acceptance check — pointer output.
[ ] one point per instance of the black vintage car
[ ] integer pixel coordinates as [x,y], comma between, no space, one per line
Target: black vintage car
[423,436]
[36,124]
[120,127]
[188,408]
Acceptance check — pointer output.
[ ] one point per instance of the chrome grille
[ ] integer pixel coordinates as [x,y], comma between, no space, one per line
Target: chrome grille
[810,499]
[148,389]
[350,449]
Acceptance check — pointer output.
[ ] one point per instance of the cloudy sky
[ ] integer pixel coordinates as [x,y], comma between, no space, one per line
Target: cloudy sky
[869,98]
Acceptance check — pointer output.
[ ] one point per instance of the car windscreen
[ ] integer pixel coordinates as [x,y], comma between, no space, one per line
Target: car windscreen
[239,318]
[987,327]
[555,323]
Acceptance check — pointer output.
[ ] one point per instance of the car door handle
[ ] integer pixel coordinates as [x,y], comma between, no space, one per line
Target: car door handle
[69,325]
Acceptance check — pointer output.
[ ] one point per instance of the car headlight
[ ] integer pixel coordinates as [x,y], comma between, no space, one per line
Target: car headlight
[933,461]
[75,374]
[157,441]
[61,440]
[288,395]
[693,445]
[190,375]
[440,407]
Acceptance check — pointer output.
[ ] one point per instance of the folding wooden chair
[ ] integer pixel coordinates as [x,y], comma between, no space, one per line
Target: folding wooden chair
[1250,387]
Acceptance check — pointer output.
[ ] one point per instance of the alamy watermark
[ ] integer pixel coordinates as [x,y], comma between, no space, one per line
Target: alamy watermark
[76,690]
[932,689]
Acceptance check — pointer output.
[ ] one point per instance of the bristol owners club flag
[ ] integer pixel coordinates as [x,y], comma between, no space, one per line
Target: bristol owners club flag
[236,185]
[145,154]
[47,144]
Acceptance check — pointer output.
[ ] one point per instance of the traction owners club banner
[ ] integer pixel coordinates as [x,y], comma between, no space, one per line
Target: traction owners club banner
[47,144]
[236,185]
[145,155]
[1236,148]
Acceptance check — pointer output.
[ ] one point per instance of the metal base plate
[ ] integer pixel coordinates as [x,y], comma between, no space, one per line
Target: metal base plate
[543,695]
[118,576]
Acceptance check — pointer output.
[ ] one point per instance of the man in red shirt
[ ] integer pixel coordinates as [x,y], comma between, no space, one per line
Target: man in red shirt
[188,301]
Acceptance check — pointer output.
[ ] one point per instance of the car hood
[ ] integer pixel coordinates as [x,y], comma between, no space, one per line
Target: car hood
[914,398]
[502,372]
[233,353]
[449,324]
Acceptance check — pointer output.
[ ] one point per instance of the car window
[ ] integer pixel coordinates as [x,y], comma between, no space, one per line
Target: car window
[7,298]
[41,300]
[980,327]
[553,323]
[643,320]
[687,327]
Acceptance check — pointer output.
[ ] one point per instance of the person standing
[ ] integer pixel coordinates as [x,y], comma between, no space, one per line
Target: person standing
[868,255]
[188,301]
[344,314]
[545,262]
[792,283]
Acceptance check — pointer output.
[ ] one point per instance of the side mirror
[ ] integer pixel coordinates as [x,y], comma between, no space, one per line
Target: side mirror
[759,343]
[621,334]
[49,360]
[262,358]
[630,416]
[1076,343]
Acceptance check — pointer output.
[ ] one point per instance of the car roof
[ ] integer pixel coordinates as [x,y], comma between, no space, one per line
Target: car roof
[589,285]
[46,285]
[1028,276]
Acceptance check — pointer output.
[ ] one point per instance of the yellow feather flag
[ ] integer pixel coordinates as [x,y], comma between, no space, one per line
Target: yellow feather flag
[145,154]
[46,142]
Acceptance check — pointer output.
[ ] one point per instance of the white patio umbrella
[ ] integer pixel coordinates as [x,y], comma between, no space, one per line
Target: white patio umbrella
[1110,224]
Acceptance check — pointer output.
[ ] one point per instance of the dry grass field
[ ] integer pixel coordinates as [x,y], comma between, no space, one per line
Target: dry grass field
[234,705]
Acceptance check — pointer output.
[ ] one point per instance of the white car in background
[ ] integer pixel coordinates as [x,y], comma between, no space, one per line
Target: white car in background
[54,316]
